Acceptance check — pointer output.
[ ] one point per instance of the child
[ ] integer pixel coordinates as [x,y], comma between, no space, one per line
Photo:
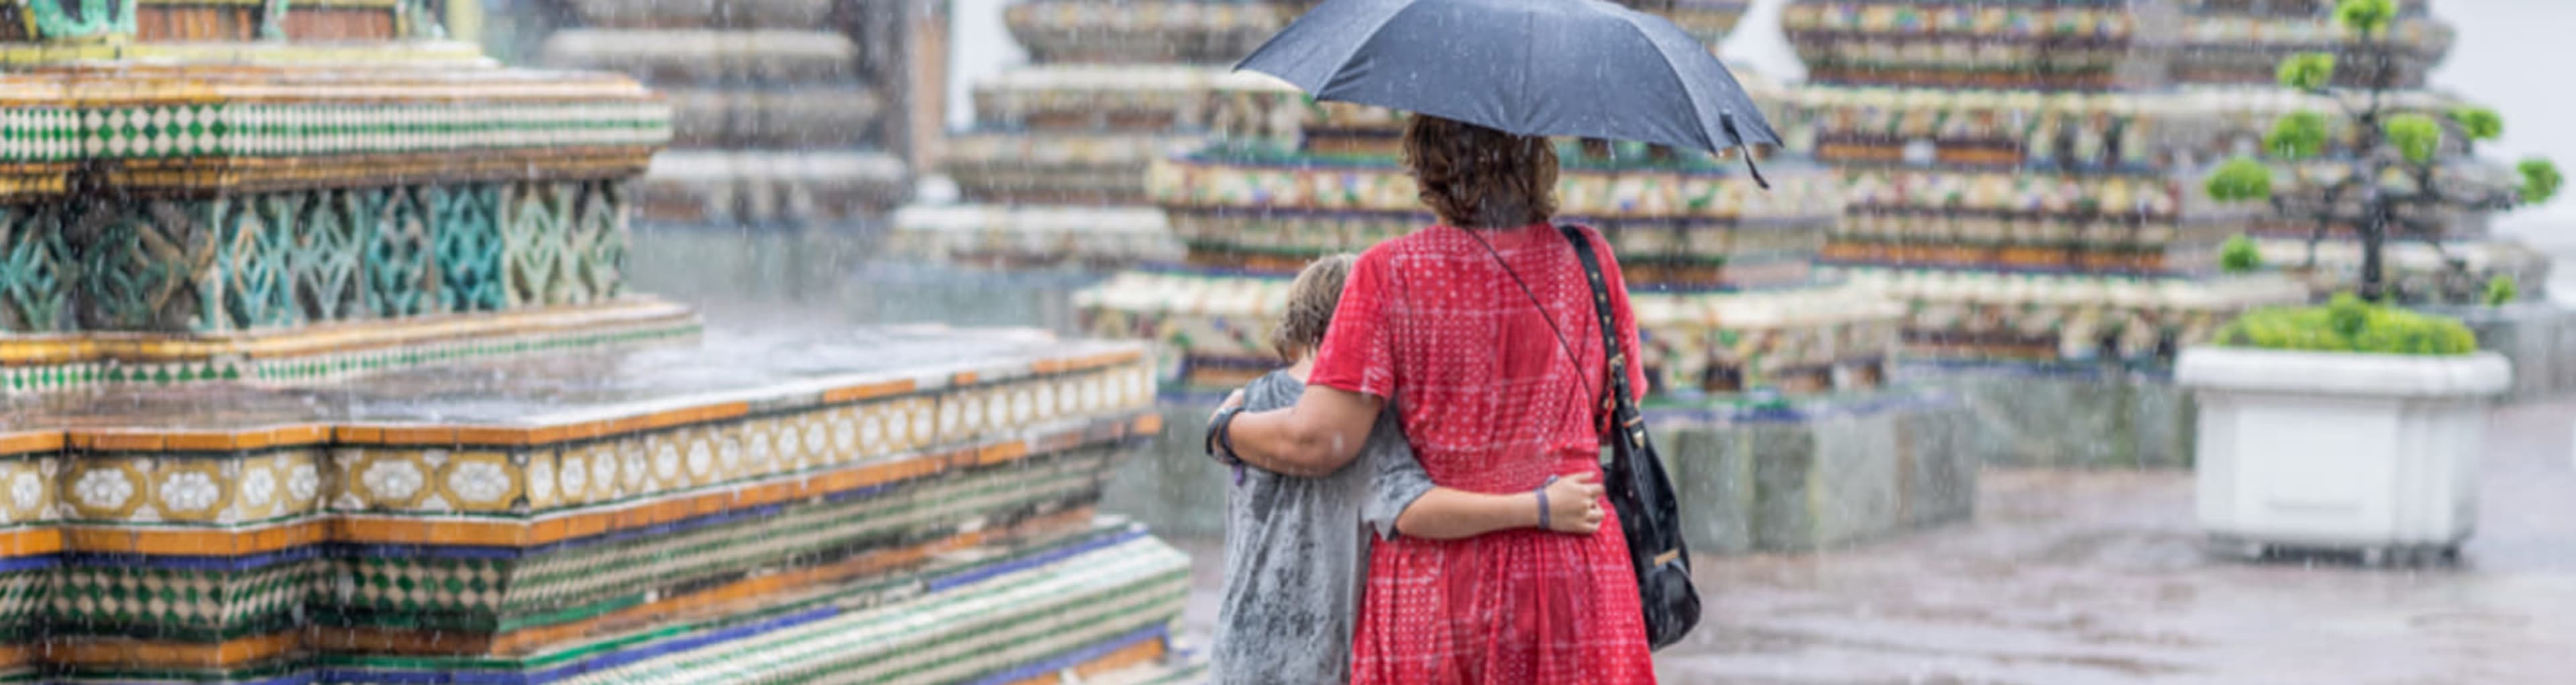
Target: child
[1296,549]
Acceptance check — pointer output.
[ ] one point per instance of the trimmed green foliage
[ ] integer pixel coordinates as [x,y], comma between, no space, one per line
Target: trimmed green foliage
[2239,256]
[2308,70]
[2348,325]
[2416,136]
[2540,180]
[2502,291]
[2241,179]
[2299,135]
[2479,123]
[2366,15]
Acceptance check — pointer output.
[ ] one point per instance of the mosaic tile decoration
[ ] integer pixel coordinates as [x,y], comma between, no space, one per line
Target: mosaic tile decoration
[235,127]
[2083,45]
[1975,314]
[289,259]
[1215,181]
[2245,45]
[220,20]
[1215,328]
[392,548]
[1722,271]
[2022,175]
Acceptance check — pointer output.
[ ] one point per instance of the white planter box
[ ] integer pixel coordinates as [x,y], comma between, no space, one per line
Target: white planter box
[2377,453]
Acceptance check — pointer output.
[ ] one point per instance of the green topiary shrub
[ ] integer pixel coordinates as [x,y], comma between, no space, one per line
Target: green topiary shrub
[2366,15]
[2502,291]
[2348,325]
[2239,255]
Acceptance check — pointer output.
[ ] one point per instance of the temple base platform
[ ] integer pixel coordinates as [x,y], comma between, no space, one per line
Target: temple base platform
[2067,415]
[884,505]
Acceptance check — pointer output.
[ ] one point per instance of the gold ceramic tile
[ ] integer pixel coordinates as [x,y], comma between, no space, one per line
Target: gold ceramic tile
[386,478]
[100,488]
[871,420]
[259,489]
[479,481]
[571,477]
[847,447]
[950,423]
[607,466]
[27,490]
[732,441]
[634,468]
[191,490]
[697,458]
[760,448]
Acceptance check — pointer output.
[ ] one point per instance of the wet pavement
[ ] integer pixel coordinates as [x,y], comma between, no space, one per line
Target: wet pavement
[2083,577]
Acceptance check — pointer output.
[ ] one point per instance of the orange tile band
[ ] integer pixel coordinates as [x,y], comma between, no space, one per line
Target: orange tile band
[557,527]
[127,653]
[1126,657]
[324,338]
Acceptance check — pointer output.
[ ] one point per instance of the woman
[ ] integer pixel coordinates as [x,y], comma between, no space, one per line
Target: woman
[1482,332]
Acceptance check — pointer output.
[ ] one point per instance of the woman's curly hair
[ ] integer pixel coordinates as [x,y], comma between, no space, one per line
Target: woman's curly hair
[1477,177]
[1311,301]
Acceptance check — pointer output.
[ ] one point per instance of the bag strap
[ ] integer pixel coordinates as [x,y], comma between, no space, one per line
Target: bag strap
[1621,405]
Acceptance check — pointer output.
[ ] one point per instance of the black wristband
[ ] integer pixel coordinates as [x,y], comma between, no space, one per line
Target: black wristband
[1218,443]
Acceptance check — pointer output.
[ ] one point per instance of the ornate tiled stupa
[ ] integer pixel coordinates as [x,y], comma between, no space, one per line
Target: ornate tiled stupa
[1053,172]
[318,369]
[1769,378]
[2021,174]
[781,115]
[1720,269]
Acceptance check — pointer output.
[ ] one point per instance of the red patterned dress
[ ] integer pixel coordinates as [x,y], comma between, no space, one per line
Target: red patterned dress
[1491,405]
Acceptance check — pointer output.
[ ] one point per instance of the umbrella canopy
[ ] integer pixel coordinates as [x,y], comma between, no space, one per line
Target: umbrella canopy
[1587,68]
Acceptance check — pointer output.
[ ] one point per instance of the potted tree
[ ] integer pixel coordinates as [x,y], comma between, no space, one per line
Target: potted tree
[2355,425]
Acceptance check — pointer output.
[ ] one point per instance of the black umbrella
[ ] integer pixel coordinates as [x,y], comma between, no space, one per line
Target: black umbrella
[1586,68]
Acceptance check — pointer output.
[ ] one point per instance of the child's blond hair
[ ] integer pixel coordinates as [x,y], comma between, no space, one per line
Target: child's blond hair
[1311,300]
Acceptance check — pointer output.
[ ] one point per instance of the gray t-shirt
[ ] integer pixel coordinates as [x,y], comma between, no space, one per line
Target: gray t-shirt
[1296,552]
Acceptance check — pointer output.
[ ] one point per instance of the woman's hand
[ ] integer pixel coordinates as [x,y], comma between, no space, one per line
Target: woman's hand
[1232,400]
[1574,504]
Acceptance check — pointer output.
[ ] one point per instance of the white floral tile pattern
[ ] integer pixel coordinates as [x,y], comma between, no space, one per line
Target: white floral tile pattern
[190,493]
[541,480]
[104,491]
[392,479]
[258,489]
[479,482]
[269,485]
[27,493]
